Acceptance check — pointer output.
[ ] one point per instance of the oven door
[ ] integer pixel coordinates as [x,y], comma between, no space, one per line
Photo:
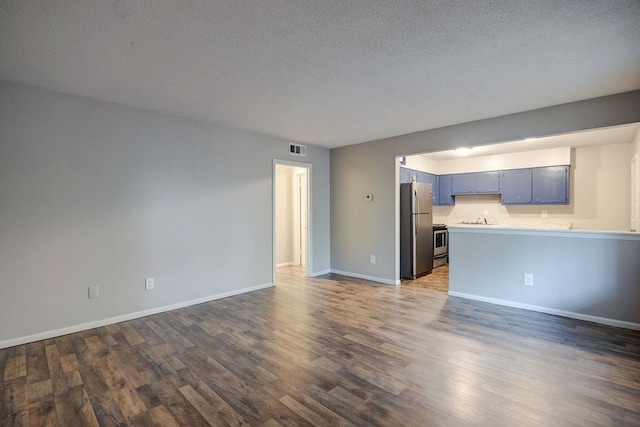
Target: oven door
[440,238]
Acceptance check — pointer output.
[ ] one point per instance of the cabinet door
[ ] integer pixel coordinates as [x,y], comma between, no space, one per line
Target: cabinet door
[433,180]
[516,187]
[487,182]
[444,191]
[462,183]
[551,185]
[405,175]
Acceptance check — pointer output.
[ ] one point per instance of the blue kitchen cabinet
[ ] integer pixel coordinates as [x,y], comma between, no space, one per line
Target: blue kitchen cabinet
[476,183]
[445,197]
[516,187]
[487,182]
[427,178]
[405,175]
[422,177]
[462,183]
[550,185]
[432,179]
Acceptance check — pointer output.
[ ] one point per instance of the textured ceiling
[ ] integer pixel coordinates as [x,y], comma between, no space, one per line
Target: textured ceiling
[326,72]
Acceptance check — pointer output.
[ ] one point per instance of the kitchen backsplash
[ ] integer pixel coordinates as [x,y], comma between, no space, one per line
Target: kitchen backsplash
[556,224]
[479,207]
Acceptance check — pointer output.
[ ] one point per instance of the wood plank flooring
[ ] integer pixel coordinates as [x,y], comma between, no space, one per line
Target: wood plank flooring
[329,351]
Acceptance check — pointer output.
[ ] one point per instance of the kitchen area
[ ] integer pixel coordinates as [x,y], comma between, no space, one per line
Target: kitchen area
[581,181]
[423,244]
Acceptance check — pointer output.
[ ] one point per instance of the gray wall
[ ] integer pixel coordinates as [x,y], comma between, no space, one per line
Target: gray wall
[359,229]
[586,274]
[93,193]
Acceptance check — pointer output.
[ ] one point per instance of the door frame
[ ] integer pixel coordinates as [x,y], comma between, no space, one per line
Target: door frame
[309,248]
[635,193]
[299,237]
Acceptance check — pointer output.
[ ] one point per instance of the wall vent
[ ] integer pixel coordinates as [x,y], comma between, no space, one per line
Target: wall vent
[298,150]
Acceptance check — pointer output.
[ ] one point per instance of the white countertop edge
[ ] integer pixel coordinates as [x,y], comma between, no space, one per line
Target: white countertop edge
[554,232]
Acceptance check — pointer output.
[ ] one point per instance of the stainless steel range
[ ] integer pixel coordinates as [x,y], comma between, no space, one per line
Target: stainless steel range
[440,245]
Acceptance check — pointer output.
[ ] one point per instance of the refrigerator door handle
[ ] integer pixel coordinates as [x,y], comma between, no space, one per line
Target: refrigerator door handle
[416,206]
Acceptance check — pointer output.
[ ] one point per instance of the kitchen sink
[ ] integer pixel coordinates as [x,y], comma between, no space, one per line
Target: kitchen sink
[476,222]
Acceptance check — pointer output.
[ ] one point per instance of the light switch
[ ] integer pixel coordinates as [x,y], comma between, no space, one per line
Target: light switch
[93,292]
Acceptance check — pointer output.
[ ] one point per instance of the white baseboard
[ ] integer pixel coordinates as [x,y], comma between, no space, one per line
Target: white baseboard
[570,314]
[285,264]
[363,276]
[319,273]
[123,318]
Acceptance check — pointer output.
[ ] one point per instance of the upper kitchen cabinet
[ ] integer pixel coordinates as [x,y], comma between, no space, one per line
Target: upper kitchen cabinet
[405,175]
[462,183]
[476,183]
[538,186]
[516,187]
[488,182]
[423,177]
[550,185]
[433,180]
[445,198]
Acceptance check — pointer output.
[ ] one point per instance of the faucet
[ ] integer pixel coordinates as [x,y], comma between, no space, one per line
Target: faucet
[485,221]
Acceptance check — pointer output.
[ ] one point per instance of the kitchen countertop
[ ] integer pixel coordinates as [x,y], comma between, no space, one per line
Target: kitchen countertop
[542,231]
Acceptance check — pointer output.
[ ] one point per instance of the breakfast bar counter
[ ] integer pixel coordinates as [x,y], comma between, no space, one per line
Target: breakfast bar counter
[585,274]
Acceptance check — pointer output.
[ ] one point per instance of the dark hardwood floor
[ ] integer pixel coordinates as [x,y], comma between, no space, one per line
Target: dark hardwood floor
[329,351]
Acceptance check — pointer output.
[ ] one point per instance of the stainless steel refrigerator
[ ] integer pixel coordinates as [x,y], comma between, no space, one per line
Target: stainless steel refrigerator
[416,230]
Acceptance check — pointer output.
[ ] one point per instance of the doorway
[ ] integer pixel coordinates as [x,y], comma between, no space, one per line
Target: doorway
[413,168]
[291,225]
[635,194]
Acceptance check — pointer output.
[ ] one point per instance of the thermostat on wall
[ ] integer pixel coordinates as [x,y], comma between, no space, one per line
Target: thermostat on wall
[368,198]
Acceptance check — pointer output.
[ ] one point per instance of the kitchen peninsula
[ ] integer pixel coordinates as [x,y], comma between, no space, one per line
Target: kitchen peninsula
[588,275]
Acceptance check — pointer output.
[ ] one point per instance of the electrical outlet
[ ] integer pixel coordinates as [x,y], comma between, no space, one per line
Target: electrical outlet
[373,259]
[94,292]
[544,214]
[486,213]
[528,279]
[149,283]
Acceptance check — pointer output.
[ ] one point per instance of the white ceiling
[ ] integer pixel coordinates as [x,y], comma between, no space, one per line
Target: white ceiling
[604,136]
[326,72]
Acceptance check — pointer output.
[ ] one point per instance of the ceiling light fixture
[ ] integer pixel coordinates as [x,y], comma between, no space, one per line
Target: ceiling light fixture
[463,151]
[530,139]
